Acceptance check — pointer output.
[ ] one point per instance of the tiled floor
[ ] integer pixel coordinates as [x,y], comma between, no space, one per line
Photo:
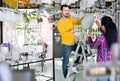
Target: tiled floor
[59,74]
[48,71]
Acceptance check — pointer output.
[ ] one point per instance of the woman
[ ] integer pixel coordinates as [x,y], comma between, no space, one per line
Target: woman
[104,41]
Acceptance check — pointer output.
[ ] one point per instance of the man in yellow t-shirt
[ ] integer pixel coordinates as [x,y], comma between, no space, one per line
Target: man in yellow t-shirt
[66,30]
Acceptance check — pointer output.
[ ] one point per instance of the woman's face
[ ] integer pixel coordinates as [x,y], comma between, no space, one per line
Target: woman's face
[103,28]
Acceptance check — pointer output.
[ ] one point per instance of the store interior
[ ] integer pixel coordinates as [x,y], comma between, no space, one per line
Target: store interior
[30,44]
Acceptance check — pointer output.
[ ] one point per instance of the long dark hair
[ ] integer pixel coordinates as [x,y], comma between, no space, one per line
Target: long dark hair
[111,30]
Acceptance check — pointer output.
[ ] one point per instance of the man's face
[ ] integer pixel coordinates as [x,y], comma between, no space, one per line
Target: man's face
[65,12]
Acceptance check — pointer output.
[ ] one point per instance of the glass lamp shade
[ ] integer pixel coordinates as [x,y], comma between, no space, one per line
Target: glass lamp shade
[87,21]
[33,1]
[25,1]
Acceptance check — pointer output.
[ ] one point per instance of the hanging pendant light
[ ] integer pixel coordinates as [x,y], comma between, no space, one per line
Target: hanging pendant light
[87,21]
[47,1]
[33,1]
[11,3]
[24,1]
[10,15]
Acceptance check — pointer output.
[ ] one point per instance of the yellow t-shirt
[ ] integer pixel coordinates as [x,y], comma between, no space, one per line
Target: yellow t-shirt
[65,27]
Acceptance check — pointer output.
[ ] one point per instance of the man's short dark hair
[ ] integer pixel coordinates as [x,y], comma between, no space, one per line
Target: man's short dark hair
[61,8]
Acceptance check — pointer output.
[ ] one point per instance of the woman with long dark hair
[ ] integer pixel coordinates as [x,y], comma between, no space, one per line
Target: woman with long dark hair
[104,41]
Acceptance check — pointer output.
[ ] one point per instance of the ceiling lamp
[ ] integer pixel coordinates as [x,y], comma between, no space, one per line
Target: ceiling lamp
[11,3]
[11,15]
[23,1]
[14,3]
[68,2]
[87,21]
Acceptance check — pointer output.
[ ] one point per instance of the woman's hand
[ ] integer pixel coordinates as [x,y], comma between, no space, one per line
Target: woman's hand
[88,34]
[98,23]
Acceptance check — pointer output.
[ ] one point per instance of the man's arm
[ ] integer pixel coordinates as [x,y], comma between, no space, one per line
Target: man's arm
[76,21]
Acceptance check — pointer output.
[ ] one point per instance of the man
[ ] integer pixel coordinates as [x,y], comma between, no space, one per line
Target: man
[65,27]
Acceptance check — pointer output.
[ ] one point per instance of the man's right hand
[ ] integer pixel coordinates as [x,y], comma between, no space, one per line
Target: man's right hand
[75,30]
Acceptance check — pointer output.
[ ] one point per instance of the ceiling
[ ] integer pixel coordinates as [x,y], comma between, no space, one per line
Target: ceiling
[38,3]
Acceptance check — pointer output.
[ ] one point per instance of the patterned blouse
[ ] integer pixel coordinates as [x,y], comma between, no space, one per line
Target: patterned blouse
[103,53]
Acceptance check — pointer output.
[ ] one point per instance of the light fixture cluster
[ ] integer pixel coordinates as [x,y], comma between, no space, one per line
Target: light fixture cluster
[10,15]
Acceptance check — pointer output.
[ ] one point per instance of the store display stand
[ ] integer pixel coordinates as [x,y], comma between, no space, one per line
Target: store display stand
[27,66]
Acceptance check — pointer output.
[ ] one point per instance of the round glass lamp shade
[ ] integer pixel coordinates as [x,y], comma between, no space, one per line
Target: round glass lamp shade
[87,21]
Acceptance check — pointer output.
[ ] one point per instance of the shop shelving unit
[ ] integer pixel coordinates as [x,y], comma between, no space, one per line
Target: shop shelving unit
[15,32]
[26,66]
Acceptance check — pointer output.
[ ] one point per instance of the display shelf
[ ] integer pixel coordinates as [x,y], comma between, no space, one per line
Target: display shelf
[44,78]
[30,62]
[28,41]
[26,65]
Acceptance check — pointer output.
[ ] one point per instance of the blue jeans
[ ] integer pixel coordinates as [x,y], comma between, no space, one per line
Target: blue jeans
[104,78]
[66,51]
